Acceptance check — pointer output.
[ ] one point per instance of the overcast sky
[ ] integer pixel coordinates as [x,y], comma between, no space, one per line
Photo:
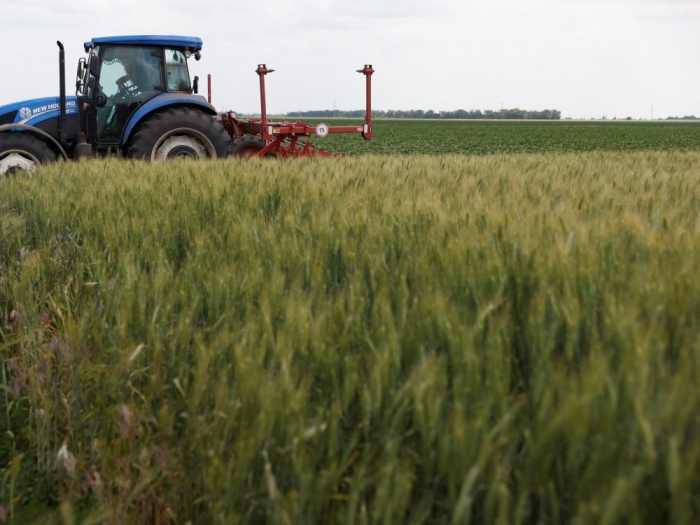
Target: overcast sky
[587,58]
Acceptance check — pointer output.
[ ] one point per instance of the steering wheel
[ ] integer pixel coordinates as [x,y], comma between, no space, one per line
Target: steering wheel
[122,89]
[121,82]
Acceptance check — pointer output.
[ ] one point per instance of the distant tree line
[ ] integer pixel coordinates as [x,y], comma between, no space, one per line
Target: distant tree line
[513,114]
[688,117]
[506,114]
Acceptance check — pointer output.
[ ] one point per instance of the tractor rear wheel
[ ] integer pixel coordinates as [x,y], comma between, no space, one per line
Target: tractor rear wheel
[179,133]
[248,146]
[22,151]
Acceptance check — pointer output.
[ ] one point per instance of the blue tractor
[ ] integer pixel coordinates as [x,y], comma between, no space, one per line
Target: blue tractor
[133,97]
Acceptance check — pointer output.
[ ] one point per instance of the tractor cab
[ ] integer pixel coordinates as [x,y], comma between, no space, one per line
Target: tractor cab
[121,74]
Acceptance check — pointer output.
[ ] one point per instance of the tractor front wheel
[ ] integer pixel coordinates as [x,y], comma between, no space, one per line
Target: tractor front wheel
[179,133]
[22,151]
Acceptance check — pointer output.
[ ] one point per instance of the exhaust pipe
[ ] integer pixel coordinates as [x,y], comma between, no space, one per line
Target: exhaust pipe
[62,136]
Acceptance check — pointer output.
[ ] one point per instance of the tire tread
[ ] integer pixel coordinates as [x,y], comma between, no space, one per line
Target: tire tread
[141,144]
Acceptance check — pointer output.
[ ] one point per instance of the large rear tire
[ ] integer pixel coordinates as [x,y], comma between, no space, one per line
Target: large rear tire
[22,151]
[179,133]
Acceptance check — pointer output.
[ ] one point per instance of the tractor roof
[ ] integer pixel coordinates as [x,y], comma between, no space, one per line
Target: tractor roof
[194,43]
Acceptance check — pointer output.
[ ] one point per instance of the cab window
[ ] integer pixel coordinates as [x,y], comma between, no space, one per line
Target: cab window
[129,76]
[177,74]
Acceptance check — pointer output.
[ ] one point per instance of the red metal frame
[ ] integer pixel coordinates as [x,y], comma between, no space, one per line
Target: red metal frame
[282,138]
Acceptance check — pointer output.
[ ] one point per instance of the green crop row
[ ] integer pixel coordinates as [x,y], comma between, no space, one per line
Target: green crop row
[492,137]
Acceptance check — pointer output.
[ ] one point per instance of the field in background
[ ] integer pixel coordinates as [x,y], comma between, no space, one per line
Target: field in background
[491,339]
[489,137]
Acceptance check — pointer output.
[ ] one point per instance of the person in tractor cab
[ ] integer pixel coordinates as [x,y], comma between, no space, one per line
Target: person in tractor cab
[130,76]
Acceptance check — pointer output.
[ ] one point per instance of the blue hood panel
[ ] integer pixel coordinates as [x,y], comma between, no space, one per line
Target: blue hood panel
[31,112]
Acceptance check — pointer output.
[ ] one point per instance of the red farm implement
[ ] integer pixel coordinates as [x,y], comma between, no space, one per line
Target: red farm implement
[264,138]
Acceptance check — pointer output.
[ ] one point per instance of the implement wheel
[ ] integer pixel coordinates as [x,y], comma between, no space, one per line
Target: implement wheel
[179,133]
[248,146]
[22,151]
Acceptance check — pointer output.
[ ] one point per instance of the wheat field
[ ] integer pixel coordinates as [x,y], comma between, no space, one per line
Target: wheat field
[507,339]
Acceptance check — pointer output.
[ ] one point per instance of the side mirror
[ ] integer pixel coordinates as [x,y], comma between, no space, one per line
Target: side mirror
[101,100]
[195,86]
[80,77]
[94,65]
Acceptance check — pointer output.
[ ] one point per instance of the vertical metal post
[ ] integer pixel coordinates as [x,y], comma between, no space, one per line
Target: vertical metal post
[209,87]
[368,71]
[262,71]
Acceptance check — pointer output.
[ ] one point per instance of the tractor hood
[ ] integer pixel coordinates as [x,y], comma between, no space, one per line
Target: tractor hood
[31,112]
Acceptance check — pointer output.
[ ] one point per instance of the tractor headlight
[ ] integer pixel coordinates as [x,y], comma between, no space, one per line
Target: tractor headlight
[188,54]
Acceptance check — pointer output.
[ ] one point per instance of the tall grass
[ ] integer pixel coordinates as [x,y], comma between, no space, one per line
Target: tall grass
[501,339]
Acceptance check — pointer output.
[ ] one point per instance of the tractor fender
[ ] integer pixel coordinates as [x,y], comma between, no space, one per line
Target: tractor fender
[36,131]
[163,101]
